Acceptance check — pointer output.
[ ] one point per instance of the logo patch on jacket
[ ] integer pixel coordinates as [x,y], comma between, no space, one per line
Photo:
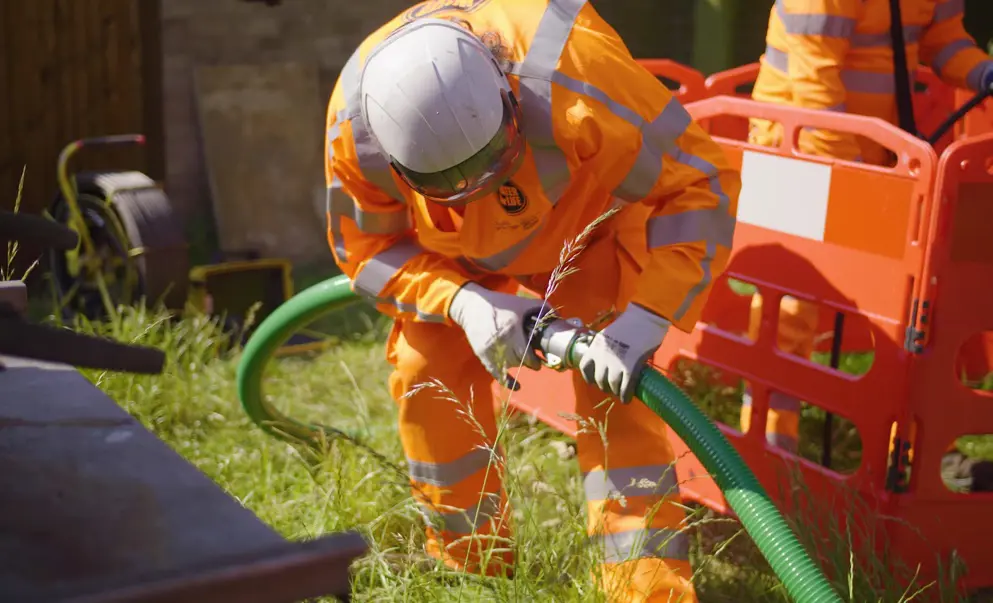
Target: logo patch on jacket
[512,199]
[433,7]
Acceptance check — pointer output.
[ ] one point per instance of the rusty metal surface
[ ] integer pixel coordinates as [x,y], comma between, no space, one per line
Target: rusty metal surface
[292,573]
[92,500]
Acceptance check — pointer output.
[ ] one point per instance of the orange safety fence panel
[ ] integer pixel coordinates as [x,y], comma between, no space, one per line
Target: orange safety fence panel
[839,234]
[977,122]
[735,82]
[934,101]
[956,306]
[691,82]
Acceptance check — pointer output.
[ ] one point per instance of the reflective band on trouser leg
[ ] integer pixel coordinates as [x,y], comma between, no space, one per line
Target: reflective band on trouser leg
[782,424]
[633,513]
[455,480]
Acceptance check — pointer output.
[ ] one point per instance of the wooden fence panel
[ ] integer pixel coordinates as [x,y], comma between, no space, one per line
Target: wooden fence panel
[71,69]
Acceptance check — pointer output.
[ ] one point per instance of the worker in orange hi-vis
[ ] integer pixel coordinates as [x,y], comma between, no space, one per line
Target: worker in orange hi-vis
[839,55]
[468,142]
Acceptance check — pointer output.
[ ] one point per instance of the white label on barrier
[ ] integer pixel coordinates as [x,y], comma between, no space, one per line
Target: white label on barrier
[783,194]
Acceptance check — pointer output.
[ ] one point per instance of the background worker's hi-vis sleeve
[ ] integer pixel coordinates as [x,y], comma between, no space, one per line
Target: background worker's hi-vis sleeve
[817,35]
[660,158]
[369,228]
[950,52]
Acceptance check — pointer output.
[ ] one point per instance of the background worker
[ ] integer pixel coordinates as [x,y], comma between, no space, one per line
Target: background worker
[839,55]
[466,146]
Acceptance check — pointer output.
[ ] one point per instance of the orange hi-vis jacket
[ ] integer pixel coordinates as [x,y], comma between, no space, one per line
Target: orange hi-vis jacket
[836,55]
[601,131]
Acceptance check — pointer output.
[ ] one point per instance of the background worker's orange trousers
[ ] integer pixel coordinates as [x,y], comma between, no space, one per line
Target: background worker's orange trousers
[459,488]
[794,335]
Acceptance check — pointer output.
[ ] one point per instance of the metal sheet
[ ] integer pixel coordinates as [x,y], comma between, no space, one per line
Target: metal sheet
[92,500]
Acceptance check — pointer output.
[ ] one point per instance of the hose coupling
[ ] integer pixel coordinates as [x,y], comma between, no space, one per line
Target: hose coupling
[563,343]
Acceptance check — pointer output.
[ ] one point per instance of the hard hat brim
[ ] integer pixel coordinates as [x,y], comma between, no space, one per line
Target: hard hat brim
[479,175]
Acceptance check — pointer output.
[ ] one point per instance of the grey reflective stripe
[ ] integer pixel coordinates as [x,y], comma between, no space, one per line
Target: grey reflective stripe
[868,82]
[647,167]
[450,473]
[783,402]
[334,189]
[536,73]
[378,271]
[410,309]
[777,59]
[814,24]
[782,441]
[777,401]
[468,266]
[947,52]
[637,544]
[500,260]
[334,221]
[911,35]
[949,9]
[661,134]
[630,481]
[460,521]
[372,164]
[341,205]
[975,78]
[638,183]
[710,225]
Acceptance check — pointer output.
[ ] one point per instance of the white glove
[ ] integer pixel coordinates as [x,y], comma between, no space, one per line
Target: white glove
[494,325]
[619,352]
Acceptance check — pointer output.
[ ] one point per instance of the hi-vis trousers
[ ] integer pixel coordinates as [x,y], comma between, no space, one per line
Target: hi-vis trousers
[630,483]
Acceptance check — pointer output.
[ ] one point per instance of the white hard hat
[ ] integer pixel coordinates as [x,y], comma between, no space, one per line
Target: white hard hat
[442,111]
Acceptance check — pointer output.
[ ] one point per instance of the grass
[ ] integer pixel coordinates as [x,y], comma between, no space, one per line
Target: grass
[7,268]
[193,407]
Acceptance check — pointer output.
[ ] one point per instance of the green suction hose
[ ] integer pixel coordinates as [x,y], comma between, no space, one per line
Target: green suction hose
[563,343]
[757,513]
[296,313]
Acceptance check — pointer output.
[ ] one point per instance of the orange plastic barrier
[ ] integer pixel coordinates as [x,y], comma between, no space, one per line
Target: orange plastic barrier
[736,82]
[842,235]
[956,306]
[977,122]
[934,101]
[903,250]
[691,82]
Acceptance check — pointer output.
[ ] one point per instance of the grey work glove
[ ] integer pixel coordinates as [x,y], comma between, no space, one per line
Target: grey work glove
[619,352]
[494,325]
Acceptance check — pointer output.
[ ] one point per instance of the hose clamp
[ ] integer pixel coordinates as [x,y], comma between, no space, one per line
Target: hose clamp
[557,340]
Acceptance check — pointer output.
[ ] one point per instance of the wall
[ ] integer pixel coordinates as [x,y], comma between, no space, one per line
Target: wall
[322,33]
[224,32]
